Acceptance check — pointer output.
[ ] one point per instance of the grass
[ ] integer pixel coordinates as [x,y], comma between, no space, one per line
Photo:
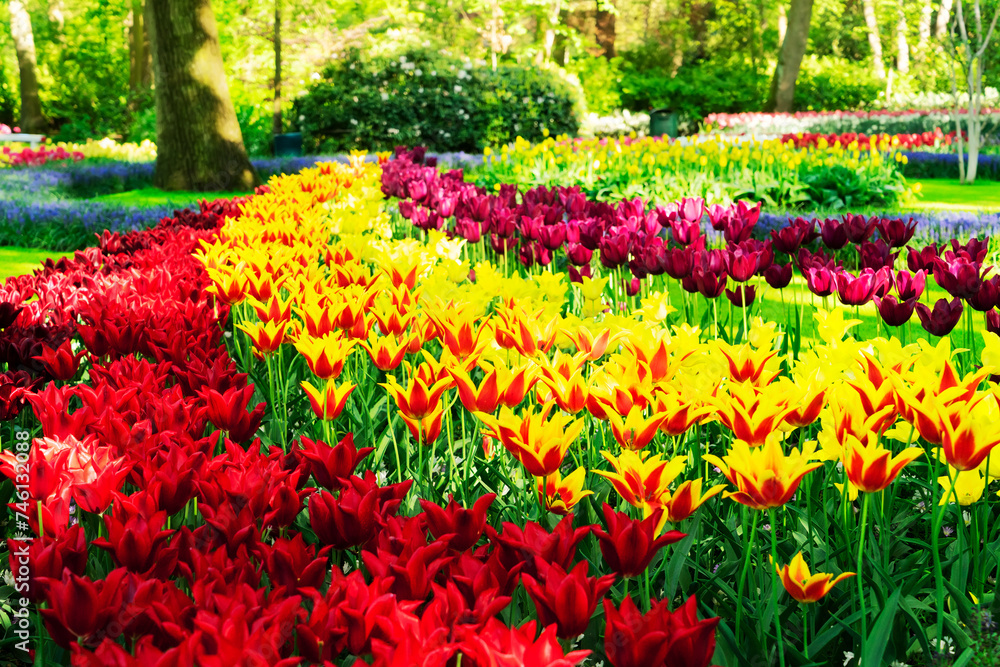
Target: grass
[20,261]
[157,197]
[947,194]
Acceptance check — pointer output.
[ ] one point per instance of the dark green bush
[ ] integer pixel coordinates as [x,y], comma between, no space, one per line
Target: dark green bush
[697,89]
[426,98]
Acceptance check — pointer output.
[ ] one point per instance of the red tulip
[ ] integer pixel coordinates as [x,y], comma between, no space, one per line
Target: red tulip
[660,638]
[60,362]
[943,318]
[629,545]
[567,599]
[331,466]
[457,527]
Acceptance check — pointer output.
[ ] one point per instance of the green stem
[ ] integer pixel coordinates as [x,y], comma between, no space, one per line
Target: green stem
[774,586]
[860,577]
[746,567]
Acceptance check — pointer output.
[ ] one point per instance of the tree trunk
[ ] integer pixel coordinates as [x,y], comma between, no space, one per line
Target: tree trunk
[140,73]
[278,127]
[550,29]
[782,24]
[32,120]
[943,17]
[924,27]
[605,28]
[902,46]
[199,143]
[782,95]
[873,38]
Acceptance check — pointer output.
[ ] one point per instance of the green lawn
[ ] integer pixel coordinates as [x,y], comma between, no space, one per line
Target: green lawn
[157,197]
[20,261]
[946,194]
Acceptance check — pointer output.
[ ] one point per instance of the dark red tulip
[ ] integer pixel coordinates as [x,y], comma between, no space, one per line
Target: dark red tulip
[552,236]
[614,250]
[80,607]
[858,228]
[60,362]
[790,238]
[333,466]
[567,599]
[293,564]
[677,263]
[629,545]
[659,638]
[710,285]
[960,277]
[578,254]
[993,322]
[8,313]
[943,318]
[456,526]
[743,295]
[517,546]
[895,313]
[741,265]
[986,298]
[876,255]
[778,276]
[974,249]
[922,260]
[895,232]
[469,229]
[719,216]
[228,411]
[834,234]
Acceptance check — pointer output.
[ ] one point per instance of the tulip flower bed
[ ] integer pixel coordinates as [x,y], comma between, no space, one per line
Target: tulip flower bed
[718,169]
[301,428]
[36,157]
[868,122]
[882,142]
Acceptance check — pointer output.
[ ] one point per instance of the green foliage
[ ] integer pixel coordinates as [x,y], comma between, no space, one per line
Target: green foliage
[828,83]
[695,91]
[424,97]
[600,80]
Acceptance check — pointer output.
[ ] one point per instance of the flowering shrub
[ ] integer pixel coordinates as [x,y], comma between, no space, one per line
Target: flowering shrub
[718,169]
[433,99]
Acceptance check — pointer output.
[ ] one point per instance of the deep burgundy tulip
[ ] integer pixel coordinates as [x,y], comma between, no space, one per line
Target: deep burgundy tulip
[658,638]
[689,284]
[910,286]
[790,238]
[469,229]
[820,281]
[883,281]
[577,275]
[993,322]
[960,277]
[578,254]
[895,232]
[985,299]
[502,244]
[8,313]
[833,233]
[741,265]
[60,362]
[684,232]
[614,250]
[975,249]
[922,260]
[858,228]
[567,599]
[552,236]
[742,296]
[855,291]
[710,285]
[529,227]
[877,255]
[943,318]
[458,527]
[633,286]
[894,312]
[778,276]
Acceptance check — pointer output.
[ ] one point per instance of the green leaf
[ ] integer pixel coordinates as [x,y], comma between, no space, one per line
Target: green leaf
[878,639]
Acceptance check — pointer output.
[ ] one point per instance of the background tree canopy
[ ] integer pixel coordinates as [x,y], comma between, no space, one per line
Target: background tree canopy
[694,56]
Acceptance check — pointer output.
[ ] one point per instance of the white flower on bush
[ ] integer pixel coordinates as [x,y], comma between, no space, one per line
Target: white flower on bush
[315,76]
[418,73]
[354,121]
[393,130]
[458,88]
[420,89]
[402,59]
[385,97]
[434,72]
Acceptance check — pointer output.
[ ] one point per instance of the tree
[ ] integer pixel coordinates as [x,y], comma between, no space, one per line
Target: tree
[874,40]
[140,69]
[199,143]
[605,27]
[966,45]
[793,47]
[902,46]
[278,124]
[32,119]
[943,17]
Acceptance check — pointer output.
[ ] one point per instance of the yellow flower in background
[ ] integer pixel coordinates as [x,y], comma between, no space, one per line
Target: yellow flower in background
[968,487]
